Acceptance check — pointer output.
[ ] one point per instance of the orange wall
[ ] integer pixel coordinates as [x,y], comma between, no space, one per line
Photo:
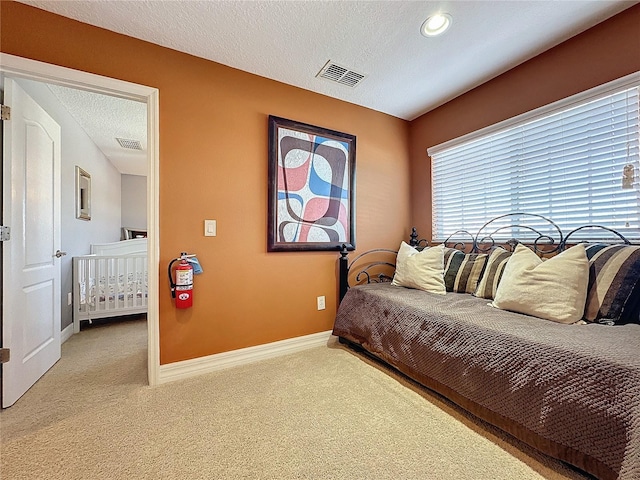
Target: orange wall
[213,146]
[605,52]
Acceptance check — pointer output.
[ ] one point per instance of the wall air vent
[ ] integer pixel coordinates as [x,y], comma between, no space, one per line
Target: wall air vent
[129,144]
[336,73]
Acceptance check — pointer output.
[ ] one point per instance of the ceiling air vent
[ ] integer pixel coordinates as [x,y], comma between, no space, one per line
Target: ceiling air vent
[336,73]
[130,144]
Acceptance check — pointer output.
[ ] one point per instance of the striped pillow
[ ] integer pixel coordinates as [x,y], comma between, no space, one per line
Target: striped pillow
[462,270]
[614,284]
[488,284]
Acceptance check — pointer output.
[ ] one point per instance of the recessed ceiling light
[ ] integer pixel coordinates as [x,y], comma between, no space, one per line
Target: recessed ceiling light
[436,24]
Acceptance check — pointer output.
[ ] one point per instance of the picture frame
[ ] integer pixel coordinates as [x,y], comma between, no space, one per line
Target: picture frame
[83,194]
[311,187]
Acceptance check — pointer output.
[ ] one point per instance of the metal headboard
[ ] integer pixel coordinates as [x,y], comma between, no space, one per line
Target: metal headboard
[533,230]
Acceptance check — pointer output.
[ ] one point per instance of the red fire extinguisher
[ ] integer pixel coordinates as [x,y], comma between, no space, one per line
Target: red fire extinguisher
[182,288]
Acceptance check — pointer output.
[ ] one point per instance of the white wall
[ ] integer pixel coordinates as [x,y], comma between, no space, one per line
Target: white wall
[79,149]
[134,202]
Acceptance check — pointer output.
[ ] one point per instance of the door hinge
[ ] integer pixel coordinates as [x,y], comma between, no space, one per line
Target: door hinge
[5,112]
[5,233]
[5,355]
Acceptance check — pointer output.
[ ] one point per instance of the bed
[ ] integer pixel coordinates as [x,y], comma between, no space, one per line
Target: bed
[111,281]
[570,391]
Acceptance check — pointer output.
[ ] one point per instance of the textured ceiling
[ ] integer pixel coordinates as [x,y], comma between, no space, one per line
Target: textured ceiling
[407,74]
[106,118]
[290,41]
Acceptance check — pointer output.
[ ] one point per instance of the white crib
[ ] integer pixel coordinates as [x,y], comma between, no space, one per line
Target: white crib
[110,282]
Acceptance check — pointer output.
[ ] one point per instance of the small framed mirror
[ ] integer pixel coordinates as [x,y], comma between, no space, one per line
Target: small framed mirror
[83,194]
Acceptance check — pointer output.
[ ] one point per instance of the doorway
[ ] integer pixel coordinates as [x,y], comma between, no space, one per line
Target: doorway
[21,68]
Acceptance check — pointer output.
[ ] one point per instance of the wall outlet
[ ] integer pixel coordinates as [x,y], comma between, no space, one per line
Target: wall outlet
[321,304]
[69,298]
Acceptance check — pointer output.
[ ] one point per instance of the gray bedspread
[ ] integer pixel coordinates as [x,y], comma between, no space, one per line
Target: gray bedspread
[576,388]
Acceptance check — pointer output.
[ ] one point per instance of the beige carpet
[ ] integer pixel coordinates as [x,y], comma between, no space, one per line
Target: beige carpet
[325,413]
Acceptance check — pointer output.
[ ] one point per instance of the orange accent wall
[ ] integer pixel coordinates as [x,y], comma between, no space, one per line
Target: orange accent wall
[213,164]
[603,53]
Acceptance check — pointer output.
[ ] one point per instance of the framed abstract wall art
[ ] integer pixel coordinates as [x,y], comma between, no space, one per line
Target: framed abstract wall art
[311,187]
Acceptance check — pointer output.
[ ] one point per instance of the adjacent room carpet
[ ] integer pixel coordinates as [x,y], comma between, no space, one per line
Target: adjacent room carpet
[325,413]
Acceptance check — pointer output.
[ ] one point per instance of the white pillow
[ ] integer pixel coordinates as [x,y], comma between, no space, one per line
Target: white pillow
[423,270]
[554,289]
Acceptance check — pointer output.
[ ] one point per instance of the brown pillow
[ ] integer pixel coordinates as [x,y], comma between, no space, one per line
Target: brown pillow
[614,284]
[463,270]
[490,279]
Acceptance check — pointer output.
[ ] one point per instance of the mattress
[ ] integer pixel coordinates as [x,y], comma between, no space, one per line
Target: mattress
[572,391]
[103,289]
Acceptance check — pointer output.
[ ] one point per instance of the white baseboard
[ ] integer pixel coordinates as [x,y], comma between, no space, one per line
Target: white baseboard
[220,361]
[66,333]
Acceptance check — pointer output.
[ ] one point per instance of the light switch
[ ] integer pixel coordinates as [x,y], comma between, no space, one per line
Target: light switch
[210,228]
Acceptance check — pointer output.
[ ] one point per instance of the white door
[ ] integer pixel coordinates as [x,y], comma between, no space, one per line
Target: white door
[30,268]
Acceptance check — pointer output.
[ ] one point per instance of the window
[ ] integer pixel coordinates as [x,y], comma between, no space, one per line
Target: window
[576,161]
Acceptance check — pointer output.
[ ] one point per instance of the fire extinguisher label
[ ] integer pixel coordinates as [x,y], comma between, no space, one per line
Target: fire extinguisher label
[184,278]
[183,296]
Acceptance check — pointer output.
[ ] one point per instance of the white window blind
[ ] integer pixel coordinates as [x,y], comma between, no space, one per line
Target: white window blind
[566,161]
